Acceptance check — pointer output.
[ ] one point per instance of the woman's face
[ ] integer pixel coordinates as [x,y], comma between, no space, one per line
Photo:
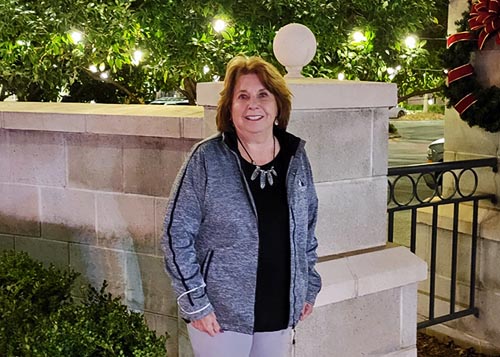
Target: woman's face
[254,108]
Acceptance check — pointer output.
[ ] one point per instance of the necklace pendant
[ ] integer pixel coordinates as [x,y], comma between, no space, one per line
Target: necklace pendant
[263,178]
[255,173]
[269,177]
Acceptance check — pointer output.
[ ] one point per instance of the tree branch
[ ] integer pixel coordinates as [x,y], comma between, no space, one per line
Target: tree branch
[116,84]
[419,92]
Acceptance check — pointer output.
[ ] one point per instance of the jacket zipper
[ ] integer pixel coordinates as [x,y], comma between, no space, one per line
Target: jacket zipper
[290,205]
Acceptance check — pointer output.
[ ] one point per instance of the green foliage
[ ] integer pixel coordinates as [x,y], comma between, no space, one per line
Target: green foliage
[485,113]
[39,318]
[38,58]
[432,108]
[28,292]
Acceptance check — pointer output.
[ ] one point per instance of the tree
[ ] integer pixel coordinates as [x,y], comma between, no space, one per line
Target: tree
[40,57]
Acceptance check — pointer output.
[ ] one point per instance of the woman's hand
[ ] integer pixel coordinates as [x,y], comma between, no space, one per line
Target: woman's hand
[207,324]
[306,311]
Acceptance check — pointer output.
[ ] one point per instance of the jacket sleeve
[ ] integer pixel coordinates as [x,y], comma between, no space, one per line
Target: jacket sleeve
[180,230]
[314,279]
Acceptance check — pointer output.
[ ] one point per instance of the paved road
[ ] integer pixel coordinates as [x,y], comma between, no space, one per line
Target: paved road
[411,147]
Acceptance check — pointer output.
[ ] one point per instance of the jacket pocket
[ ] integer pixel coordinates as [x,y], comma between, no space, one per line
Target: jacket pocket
[205,266]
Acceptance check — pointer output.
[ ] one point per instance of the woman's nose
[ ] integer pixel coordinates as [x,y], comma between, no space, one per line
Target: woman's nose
[252,103]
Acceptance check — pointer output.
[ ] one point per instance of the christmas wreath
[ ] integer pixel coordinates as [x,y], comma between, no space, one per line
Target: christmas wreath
[475,104]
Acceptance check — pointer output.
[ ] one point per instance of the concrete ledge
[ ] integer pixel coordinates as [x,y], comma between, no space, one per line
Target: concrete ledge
[367,273]
[320,93]
[489,225]
[118,119]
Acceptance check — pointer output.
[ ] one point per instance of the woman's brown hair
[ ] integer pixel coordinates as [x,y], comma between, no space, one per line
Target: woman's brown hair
[270,78]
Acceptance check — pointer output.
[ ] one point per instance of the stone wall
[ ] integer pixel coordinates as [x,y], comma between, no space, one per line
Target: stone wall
[87,186]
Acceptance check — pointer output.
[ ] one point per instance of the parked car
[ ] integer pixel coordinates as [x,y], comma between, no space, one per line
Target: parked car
[435,152]
[170,101]
[397,112]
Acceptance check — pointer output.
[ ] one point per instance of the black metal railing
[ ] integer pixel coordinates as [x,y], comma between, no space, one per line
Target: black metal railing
[428,187]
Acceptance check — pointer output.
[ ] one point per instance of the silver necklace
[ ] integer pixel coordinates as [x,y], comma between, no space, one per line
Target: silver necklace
[259,172]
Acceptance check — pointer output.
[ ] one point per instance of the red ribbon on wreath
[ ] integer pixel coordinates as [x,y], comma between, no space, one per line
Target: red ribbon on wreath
[484,17]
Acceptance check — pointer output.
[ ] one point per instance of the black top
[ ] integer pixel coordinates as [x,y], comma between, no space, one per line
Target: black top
[272,296]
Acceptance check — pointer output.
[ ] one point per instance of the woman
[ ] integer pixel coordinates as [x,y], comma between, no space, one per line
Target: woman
[239,230]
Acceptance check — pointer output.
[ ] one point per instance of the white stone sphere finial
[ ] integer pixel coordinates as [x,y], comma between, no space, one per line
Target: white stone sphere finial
[294,47]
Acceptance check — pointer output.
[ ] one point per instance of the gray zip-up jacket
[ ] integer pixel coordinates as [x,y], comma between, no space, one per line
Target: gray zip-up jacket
[211,237]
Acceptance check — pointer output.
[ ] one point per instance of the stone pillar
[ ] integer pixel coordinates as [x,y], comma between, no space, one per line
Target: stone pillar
[368,302]
[464,143]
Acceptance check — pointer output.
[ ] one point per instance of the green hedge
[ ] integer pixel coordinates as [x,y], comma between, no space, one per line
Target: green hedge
[38,316]
[433,108]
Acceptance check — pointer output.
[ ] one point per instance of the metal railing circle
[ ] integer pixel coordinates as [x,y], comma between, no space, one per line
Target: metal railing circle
[476,182]
[412,196]
[440,177]
[434,193]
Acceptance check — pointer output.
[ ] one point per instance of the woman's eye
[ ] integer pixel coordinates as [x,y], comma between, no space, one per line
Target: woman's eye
[263,94]
[242,96]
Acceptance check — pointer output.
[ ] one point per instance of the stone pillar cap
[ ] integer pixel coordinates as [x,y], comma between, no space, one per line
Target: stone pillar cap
[294,47]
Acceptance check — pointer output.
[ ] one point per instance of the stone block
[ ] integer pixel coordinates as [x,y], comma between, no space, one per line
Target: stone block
[95,162]
[444,253]
[151,164]
[339,143]
[442,296]
[366,325]
[352,215]
[37,158]
[486,327]
[445,217]
[489,224]
[45,121]
[4,156]
[68,215]
[408,315]
[160,211]
[45,251]
[386,269]
[462,138]
[380,137]
[134,125]
[6,242]
[165,325]
[487,182]
[209,124]
[489,256]
[423,243]
[338,282]
[126,222]
[192,128]
[185,349]
[159,296]
[19,212]
[118,268]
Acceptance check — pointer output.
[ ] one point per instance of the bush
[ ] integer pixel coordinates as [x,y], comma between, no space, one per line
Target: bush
[38,317]
[433,108]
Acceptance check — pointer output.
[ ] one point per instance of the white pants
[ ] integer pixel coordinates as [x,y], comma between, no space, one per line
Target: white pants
[235,344]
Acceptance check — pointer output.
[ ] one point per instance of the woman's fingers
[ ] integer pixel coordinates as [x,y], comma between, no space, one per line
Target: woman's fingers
[306,311]
[207,324]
